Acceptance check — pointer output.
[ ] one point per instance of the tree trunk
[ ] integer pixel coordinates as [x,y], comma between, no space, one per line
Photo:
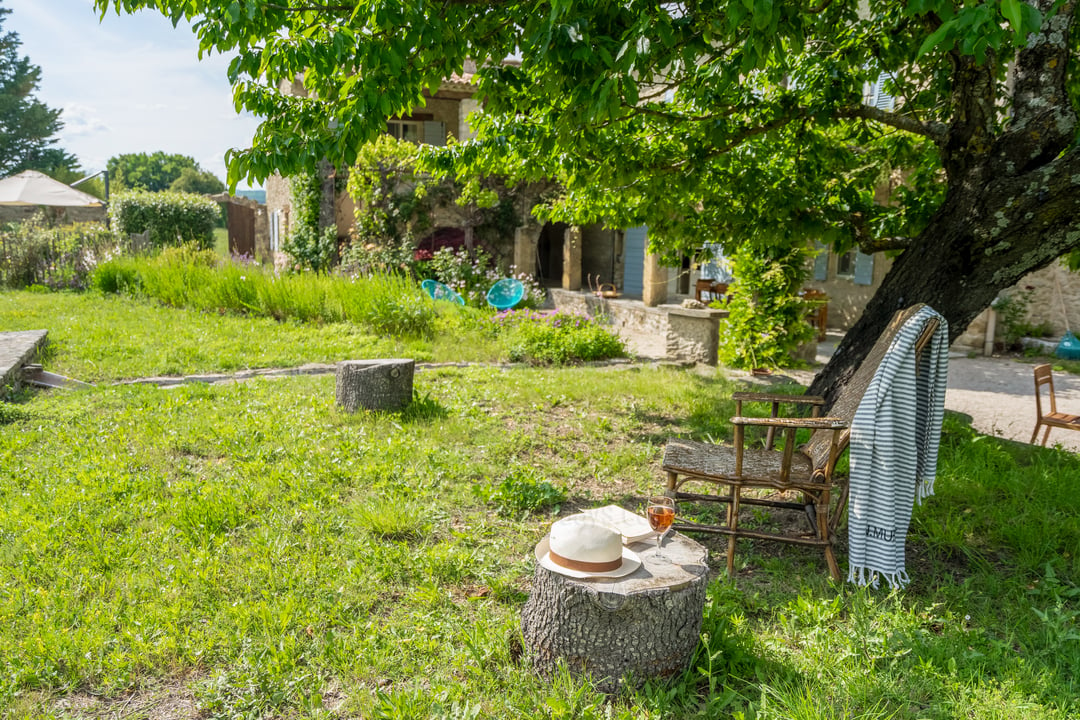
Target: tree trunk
[1012,205]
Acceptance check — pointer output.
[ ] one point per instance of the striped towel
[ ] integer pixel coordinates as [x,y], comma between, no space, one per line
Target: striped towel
[894,445]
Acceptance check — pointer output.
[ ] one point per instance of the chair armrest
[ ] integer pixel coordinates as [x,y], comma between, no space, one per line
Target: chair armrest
[770,397]
[819,423]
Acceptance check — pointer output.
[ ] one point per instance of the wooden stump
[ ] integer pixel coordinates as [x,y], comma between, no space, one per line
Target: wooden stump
[643,625]
[374,384]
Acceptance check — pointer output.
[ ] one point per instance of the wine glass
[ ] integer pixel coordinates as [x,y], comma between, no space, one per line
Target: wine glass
[661,512]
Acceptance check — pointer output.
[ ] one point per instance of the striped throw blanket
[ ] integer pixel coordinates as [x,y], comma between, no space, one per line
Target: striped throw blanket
[894,446]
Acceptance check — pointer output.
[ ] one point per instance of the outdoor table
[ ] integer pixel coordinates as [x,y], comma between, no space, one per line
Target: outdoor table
[625,630]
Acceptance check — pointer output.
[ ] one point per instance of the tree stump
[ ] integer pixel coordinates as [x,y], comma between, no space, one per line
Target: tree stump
[374,384]
[643,625]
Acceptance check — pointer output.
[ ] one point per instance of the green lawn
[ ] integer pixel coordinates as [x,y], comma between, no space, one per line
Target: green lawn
[248,550]
[99,338]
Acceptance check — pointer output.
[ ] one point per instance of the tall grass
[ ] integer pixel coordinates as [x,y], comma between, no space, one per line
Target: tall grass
[388,304]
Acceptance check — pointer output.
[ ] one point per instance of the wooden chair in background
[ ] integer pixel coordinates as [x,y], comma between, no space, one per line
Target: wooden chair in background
[1044,376]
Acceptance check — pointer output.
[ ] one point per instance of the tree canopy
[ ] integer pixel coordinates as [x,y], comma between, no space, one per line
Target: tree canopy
[28,127]
[737,121]
[159,171]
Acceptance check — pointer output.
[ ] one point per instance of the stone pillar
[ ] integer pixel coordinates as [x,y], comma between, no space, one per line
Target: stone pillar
[571,273]
[694,335]
[654,280]
[526,238]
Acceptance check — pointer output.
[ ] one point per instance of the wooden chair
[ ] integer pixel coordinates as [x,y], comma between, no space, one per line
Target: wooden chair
[807,470]
[712,287]
[1044,376]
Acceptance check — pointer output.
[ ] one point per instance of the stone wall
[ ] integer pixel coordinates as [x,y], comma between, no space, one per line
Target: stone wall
[627,317]
[1045,303]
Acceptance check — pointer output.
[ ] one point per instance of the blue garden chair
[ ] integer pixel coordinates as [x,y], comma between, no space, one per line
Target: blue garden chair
[505,294]
[437,291]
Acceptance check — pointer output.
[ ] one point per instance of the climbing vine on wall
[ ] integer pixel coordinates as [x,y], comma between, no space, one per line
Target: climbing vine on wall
[308,247]
[767,320]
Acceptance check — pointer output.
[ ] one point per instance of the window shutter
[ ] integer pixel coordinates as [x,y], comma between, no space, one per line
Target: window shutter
[434,133]
[878,97]
[821,263]
[864,269]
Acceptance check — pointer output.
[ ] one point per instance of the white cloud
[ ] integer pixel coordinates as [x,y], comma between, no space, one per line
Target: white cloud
[81,120]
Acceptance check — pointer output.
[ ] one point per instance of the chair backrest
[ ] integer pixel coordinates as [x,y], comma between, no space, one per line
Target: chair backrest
[437,291]
[819,447]
[506,293]
[1044,376]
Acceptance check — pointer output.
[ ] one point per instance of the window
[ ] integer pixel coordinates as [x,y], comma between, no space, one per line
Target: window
[845,264]
[409,130]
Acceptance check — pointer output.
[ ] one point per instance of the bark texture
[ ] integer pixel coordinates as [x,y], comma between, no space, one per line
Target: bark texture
[620,632]
[374,384]
[1012,204]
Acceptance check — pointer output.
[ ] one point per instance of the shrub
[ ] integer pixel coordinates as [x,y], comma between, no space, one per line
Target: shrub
[767,320]
[171,218]
[310,249]
[473,277]
[556,337]
[32,253]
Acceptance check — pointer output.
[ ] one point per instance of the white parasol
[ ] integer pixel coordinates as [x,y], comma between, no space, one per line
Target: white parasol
[33,188]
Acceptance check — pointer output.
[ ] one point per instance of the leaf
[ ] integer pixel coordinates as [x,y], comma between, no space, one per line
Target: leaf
[1011,11]
[937,38]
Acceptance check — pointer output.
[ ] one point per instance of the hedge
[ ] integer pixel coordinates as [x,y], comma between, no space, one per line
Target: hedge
[173,218]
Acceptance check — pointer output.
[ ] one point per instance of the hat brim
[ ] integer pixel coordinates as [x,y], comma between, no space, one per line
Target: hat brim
[630,563]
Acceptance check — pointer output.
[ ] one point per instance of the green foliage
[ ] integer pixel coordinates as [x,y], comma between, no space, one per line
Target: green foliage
[521,493]
[309,249]
[767,320]
[389,194]
[556,338]
[171,218]
[309,245]
[200,279]
[61,257]
[200,182]
[1012,311]
[28,127]
[151,172]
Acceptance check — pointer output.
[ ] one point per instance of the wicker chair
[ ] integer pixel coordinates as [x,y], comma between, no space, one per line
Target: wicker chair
[807,470]
[1045,376]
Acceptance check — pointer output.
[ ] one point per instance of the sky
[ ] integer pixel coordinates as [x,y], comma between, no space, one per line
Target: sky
[129,84]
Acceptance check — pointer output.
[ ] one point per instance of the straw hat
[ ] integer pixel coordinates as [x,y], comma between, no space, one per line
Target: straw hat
[581,547]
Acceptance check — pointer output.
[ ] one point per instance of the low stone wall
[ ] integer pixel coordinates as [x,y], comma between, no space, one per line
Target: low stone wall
[669,332]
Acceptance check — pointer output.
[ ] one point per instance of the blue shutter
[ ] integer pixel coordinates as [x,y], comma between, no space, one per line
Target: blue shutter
[434,133]
[864,269]
[821,263]
[634,241]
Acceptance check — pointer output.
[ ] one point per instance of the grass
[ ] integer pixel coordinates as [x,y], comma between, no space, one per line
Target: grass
[253,550]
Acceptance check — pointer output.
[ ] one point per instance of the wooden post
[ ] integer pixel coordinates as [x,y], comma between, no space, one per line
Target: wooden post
[624,630]
[374,384]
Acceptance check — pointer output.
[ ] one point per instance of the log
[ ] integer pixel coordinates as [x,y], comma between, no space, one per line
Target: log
[374,384]
[620,632]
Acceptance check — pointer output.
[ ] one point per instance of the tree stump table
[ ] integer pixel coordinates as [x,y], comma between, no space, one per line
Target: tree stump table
[643,625]
[374,384]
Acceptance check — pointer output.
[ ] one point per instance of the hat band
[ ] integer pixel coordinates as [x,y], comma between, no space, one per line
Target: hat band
[584,566]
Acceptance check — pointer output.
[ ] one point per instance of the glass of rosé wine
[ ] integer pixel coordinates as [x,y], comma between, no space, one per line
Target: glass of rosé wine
[661,513]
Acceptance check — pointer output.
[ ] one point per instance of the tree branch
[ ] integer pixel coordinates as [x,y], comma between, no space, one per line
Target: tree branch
[935,131]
